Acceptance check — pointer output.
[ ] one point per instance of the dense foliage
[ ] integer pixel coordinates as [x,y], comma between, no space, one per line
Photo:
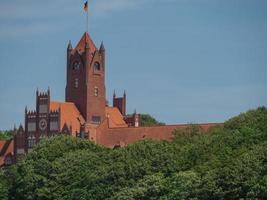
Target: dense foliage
[229,162]
[4,186]
[6,135]
[148,120]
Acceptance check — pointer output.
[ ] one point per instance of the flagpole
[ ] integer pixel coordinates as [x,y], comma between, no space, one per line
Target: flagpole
[87,16]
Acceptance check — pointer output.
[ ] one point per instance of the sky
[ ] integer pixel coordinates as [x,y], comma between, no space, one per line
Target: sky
[182,61]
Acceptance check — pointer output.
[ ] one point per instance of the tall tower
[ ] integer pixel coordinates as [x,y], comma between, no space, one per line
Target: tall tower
[86,79]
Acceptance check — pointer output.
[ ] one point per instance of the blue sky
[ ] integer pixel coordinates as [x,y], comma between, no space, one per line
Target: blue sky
[182,61]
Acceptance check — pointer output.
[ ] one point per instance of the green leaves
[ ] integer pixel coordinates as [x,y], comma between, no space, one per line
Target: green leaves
[6,135]
[228,162]
[148,120]
[4,186]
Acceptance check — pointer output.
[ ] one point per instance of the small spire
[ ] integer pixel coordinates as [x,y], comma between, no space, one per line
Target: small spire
[102,47]
[48,90]
[69,45]
[37,91]
[124,93]
[26,109]
[114,94]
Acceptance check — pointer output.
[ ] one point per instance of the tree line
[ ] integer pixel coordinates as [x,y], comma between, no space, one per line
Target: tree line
[228,162]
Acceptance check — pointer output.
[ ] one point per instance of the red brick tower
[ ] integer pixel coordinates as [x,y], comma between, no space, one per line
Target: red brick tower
[86,79]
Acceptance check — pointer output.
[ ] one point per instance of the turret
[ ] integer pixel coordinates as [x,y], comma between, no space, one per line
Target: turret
[114,95]
[102,52]
[69,50]
[120,103]
[102,48]
[69,46]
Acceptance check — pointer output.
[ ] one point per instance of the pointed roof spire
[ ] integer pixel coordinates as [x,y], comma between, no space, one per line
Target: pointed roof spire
[85,41]
[69,45]
[124,93]
[102,47]
[114,94]
[20,127]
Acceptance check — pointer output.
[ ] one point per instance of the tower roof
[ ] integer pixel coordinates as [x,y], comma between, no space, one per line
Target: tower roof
[85,39]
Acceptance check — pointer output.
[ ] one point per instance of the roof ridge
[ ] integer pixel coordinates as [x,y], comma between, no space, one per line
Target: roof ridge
[86,38]
[62,102]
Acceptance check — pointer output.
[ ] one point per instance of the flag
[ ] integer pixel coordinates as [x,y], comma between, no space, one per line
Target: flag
[85,6]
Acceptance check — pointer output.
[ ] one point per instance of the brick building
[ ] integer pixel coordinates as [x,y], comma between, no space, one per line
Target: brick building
[85,112]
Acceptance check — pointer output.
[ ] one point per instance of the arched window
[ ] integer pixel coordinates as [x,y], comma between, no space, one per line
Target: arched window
[76,65]
[97,66]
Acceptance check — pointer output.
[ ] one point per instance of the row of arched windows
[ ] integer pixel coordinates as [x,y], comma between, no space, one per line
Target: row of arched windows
[77,65]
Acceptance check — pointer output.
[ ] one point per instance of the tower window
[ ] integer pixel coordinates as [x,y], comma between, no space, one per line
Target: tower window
[96,91]
[76,66]
[96,66]
[96,120]
[76,83]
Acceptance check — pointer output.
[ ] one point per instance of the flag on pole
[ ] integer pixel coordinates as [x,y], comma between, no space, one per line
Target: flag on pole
[85,8]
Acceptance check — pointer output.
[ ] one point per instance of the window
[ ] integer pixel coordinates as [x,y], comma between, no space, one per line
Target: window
[8,160]
[31,126]
[53,125]
[31,142]
[96,91]
[96,66]
[76,66]
[43,108]
[76,83]
[96,120]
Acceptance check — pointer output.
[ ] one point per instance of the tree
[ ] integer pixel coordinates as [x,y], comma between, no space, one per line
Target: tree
[3,186]
[228,162]
[6,135]
[148,120]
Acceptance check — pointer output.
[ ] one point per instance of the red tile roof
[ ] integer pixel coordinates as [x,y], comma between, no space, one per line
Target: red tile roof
[81,45]
[115,117]
[69,114]
[6,148]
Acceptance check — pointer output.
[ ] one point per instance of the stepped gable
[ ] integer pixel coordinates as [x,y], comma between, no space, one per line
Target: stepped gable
[6,149]
[69,115]
[86,39]
[115,117]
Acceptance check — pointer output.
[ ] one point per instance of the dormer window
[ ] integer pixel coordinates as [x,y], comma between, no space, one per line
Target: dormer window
[97,66]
